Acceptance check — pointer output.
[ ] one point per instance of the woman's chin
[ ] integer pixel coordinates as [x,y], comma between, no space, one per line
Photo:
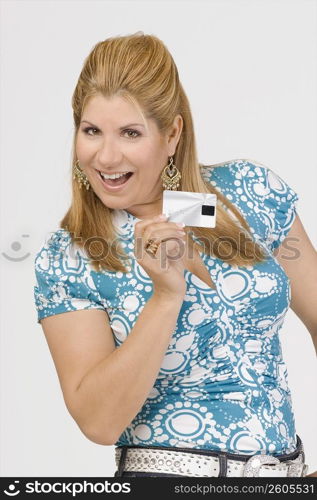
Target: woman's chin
[114,204]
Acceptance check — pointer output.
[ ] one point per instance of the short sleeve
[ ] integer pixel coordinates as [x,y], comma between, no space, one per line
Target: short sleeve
[62,278]
[275,202]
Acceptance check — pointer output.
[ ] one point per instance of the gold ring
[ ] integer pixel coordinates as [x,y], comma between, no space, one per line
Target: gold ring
[151,247]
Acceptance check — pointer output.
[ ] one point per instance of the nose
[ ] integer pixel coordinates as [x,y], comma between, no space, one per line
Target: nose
[109,153]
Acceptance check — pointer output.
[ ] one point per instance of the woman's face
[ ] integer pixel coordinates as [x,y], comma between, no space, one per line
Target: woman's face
[112,139]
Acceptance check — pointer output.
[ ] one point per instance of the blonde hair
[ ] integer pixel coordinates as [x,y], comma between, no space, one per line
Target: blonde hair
[140,68]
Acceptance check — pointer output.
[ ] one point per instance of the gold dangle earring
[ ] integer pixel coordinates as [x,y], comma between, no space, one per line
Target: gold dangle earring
[80,176]
[171,176]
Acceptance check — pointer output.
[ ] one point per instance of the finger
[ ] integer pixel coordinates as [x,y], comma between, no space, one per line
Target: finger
[174,248]
[171,246]
[139,226]
[161,234]
[149,229]
[170,250]
[138,235]
[158,222]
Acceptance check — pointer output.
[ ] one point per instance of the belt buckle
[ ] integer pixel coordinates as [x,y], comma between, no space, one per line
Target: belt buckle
[305,470]
[253,465]
[298,469]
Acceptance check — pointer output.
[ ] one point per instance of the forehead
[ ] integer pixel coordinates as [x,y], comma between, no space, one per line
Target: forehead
[111,110]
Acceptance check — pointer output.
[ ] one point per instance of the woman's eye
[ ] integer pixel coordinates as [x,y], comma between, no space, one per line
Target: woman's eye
[133,132]
[87,129]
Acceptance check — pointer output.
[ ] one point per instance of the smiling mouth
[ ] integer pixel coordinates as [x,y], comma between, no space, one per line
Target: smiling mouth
[116,182]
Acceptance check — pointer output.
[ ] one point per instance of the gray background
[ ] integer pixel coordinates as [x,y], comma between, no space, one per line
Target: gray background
[249,70]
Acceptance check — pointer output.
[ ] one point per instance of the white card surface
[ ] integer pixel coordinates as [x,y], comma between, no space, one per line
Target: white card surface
[194,209]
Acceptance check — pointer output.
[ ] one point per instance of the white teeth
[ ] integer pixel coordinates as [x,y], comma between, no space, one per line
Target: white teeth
[113,176]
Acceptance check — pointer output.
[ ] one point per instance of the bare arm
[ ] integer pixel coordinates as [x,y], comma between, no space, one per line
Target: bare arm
[111,394]
[301,267]
[298,257]
[104,387]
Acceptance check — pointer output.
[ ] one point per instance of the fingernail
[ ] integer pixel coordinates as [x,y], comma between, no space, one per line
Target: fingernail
[180,224]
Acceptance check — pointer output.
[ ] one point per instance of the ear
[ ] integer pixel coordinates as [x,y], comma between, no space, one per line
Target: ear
[174,134]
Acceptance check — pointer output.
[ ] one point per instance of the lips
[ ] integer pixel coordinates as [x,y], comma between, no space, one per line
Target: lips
[115,184]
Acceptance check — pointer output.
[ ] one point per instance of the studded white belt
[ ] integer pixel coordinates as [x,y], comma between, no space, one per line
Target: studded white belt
[199,465]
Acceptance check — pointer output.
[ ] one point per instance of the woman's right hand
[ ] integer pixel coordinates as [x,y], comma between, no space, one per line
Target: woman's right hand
[166,268]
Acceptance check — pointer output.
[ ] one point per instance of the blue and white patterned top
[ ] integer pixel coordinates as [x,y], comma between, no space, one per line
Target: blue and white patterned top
[223,383]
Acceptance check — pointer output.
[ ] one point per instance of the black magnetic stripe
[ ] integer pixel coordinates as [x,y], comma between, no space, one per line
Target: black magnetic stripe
[207,210]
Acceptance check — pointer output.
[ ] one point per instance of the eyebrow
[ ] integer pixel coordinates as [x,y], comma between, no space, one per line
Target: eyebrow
[121,128]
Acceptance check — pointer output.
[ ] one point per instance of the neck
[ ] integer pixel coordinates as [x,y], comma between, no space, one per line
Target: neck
[146,210]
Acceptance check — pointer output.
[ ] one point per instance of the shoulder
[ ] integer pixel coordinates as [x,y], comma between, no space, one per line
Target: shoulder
[59,252]
[63,280]
[55,240]
[240,169]
[242,182]
[249,179]
[263,197]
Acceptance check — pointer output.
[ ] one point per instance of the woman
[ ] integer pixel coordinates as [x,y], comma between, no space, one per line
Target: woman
[164,337]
